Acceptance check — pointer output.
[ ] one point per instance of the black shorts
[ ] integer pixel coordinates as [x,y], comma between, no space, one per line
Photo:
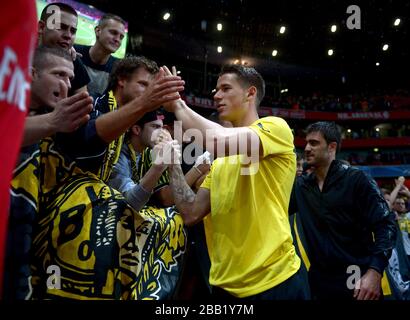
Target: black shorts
[294,288]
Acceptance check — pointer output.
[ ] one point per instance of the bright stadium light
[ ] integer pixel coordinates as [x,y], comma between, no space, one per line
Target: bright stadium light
[385,47]
[219,49]
[219,26]
[333,28]
[377,64]
[166,16]
[274,53]
[397,22]
[330,52]
[282,30]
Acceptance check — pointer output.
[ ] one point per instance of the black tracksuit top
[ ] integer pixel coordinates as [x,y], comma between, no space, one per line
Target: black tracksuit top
[347,223]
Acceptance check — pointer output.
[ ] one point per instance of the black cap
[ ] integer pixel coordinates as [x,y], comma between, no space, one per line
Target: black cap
[169,117]
[150,116]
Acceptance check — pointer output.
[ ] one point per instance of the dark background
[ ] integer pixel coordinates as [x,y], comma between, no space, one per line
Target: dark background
[251,31]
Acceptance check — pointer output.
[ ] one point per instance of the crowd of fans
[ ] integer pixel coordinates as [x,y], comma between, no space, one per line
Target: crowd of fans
[379,158]
[398,100]
[391,130]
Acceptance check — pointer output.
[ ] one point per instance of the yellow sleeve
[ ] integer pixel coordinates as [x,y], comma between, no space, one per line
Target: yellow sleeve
[274,134]
[207,182]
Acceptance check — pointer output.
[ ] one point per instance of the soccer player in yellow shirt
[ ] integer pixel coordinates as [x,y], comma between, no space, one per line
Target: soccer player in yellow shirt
[244,198]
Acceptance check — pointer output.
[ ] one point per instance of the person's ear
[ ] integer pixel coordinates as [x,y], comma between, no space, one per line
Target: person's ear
[252,91]
[97,30]
[121,82]
[41,28]
[333,147]
[136,130]
[33,73]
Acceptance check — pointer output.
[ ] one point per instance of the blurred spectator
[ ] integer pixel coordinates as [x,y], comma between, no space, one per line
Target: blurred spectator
[299,164]
[399,206]
[17,38]
[368,101]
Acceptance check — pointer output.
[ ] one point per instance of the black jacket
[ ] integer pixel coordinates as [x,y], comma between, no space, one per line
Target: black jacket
[347,223]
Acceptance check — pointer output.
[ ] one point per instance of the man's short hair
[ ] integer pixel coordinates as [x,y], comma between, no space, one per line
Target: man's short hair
[42,54]
[247,77]
[123,69]
[329,131]
[102,22]
[62,6]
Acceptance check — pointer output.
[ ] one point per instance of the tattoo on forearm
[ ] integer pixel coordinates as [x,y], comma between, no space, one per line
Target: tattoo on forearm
[183,194]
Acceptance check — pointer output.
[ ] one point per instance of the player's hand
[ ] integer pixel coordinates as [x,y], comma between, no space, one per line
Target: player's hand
[369,286]
[174,104]
[162,90]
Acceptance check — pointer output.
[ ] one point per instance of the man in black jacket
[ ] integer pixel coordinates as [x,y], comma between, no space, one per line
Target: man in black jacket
[345,220]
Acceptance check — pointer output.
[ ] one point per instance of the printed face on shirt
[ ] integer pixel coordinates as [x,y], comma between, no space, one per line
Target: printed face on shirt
[59,35]
[110,35]
[135,85]
[317,151]
[46,87]
[231,98]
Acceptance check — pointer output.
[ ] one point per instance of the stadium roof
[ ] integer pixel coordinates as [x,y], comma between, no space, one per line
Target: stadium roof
[251,31]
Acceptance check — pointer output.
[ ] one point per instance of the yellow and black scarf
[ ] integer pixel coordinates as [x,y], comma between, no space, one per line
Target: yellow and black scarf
[86,241]
[114,149]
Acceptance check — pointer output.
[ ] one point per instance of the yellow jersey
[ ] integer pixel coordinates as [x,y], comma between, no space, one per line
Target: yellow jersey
[248,234]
